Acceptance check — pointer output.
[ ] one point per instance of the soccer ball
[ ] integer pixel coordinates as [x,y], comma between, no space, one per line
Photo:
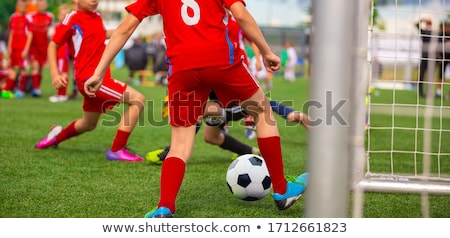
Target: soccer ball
[248,178]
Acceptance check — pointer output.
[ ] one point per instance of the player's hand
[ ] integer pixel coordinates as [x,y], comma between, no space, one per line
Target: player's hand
[24,55]
[92,85]
[59,81]
[272,62]
[258,65]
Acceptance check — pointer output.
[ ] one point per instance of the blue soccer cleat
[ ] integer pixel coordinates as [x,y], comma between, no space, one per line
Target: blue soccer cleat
[295,188]
[161,212]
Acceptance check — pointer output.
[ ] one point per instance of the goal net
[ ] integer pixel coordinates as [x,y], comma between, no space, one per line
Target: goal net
[408,101]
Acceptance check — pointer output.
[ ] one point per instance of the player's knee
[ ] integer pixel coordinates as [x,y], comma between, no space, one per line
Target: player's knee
[137,99]
[91,126]
[208,139]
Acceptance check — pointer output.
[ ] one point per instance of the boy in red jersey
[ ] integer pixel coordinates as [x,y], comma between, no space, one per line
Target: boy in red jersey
[18,47]
[84,31]
[62,57]
[40,22]
[202,58]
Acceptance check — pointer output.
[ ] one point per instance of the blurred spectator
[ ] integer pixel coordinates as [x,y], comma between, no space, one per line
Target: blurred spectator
[425,34]
[136,59]
[159,63]
[445,55]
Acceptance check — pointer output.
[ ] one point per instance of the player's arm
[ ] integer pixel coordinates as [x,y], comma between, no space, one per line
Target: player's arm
[251,29]
[58,80]
[26,50]
[257,56]
[118,39]
[109,33]
[10,42]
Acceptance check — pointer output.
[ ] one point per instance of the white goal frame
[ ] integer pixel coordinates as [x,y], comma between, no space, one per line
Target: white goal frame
[357,169]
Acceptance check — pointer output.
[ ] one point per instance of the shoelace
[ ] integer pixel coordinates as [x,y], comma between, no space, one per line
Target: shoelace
[293,179]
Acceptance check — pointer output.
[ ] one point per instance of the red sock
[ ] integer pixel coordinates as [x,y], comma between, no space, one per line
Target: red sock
[120,140]
[270,148]
[23,82]
[62,91]
[36,81]
[172,174]
[68,132]
[248,121]
[10,84]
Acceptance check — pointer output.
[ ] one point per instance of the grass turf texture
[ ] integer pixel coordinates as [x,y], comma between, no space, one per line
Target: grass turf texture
[76,180]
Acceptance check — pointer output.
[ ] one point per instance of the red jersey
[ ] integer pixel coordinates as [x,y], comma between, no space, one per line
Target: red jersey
[237,36]
[63,50]
[40,24]
[86,35]
[198,33]
[18,26]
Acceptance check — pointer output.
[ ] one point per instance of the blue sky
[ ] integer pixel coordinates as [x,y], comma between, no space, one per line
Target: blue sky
[278,12]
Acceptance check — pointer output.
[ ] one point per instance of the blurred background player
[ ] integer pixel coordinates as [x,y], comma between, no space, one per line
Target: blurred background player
[19,41]
[291,62]
[84,30]
[40,22]
[74,94]
[3,61]
[62,57]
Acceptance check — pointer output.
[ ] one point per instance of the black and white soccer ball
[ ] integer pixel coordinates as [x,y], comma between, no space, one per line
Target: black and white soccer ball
[248,178]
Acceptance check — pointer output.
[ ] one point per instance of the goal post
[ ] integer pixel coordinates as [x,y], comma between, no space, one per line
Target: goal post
[396,141]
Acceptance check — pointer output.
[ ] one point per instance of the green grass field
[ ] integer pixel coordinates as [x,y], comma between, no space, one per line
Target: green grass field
[75,180]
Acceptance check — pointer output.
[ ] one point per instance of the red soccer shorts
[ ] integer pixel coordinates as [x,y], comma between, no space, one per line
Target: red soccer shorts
[38,54]
[109,94]
[189,90]
[16,60]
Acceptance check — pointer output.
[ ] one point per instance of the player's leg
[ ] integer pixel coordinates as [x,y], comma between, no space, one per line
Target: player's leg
[286,190]
[38,58]
[159,155]
[173,170]
[130,117]
[10,84]
[290,114]
[215,119]
[186,101]
[61,94]
[57,134]
[23,78]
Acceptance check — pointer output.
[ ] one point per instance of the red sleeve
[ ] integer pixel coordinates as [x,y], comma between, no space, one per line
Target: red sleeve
[142,8]
[62,34]
[228,3]
[11,19]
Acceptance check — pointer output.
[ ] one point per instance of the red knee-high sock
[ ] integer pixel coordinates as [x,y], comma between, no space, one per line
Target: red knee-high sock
[68,132]
[23,82]
[62,91]
[10,84]
[172,174]
[36,81]
[270,148]
[120,140]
